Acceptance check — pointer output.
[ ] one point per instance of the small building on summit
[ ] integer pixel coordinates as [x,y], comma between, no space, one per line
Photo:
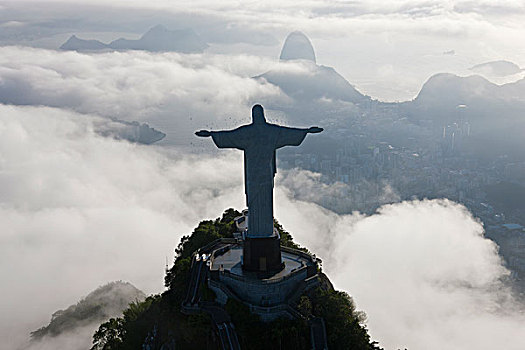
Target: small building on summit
[267,294]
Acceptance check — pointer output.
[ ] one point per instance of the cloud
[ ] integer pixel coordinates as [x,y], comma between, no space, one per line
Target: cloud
[136,84]
[421,270]
[172,92]
[307,186]
[360,38]
[387,49]
[78,210]
[336,15]
[80,338]
[9,24]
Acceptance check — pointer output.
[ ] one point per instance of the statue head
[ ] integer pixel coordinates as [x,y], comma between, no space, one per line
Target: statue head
[258,115]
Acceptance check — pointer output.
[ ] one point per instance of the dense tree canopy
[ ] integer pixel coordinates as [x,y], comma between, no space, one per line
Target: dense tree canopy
[158,320]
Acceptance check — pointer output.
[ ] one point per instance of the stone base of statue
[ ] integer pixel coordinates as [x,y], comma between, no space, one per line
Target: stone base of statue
[262,255]
[268,294]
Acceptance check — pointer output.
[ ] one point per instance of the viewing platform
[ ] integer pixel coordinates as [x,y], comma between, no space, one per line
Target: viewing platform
[267,294]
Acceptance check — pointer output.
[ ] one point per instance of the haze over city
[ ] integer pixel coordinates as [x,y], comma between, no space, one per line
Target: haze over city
[412,196]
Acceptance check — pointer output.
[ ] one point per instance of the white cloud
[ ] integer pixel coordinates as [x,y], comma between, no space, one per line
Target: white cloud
[357,38]
[330,17]
[124,84]
[172,92]
[78,210]
[421,270]
[306,186]
[78,339]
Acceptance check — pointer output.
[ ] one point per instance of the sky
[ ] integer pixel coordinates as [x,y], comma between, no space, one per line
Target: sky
[78,210]
[388,49]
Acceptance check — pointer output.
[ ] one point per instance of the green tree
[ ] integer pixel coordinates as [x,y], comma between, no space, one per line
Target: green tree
[344,325]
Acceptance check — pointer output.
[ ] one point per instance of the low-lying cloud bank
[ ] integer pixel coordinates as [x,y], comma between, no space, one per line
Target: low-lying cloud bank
[307,186]
[171,92]
[78,210]
[126,84]
[421,270]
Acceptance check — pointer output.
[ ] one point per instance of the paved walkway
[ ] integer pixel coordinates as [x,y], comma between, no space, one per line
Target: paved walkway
[221,319]
[318,334]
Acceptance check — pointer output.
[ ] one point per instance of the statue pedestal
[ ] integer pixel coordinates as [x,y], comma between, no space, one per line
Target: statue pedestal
[268,294]
[262,254]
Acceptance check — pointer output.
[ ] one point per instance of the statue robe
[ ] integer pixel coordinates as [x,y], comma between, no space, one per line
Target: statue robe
[259,143]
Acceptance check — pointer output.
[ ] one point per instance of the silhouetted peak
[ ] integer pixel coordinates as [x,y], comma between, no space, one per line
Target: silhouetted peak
[99,305]
[75,43]
[448,80]
[450,89]
[73,38]
[297,46]
[159,38]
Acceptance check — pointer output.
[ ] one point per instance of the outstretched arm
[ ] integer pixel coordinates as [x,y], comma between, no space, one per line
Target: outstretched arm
[294,136]
[203,133]
[315,130]
[225,139]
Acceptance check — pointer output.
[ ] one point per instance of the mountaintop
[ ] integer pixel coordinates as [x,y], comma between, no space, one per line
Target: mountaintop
[159,323]
[299,76]
[297,46]
[104,302]
[76,44]
[452,90]
[158,38]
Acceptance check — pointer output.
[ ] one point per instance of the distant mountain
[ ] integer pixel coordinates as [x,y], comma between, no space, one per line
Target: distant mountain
[101,304]
[494,113]
[76,44]
[158,38]
[297,46]
[316,82]
[449,90]
[452,90]
[497,68]
[514,91]
[308,82]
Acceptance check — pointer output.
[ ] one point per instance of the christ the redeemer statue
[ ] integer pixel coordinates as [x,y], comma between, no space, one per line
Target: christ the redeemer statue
[259,141]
